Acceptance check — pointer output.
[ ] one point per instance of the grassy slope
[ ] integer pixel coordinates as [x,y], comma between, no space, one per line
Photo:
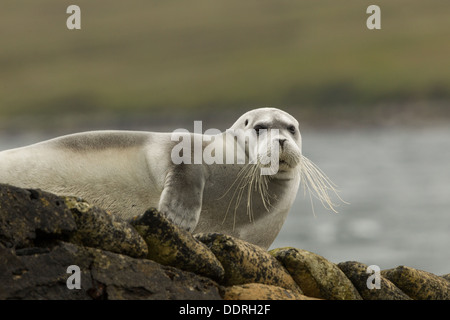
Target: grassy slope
[141,55]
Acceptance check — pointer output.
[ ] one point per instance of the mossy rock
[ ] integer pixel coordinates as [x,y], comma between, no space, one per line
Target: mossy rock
[247,263]
[357,273]
[98,228]
[103,275]
[259,291]
[316,276]
[418,284]
[170,245]
[30,218]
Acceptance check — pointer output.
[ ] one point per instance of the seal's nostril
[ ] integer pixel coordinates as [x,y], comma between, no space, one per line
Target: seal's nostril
[282,141]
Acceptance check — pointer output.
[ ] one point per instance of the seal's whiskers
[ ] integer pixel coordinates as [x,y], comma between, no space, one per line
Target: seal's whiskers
[239,179]
[263,187]
[248,180]
[317,183]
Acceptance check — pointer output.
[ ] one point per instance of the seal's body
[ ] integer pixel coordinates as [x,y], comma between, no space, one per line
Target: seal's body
[128,172]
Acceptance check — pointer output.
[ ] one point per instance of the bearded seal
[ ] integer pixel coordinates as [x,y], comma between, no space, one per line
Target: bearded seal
[127,172]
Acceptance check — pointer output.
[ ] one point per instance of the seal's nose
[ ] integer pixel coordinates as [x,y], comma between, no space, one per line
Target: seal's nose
[282,141]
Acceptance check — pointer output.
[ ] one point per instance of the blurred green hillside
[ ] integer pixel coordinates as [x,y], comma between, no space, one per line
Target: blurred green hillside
[158,56]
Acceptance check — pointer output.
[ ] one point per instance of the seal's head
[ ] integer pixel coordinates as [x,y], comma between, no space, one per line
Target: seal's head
[276,138]
[279,140]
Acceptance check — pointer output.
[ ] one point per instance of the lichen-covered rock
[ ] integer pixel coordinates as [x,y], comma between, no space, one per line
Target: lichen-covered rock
[104,275]
[316,276]
[34,218]
[98,228]
[357,273]
[41,235]
[31,217]
[172,246]
[418,284]
[259,291]
[247,263]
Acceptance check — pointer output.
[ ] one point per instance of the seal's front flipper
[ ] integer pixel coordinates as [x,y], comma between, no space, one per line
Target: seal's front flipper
[181,199]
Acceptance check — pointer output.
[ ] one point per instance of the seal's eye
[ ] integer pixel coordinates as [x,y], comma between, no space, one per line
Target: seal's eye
[246,122]
[259,127]
[291,129]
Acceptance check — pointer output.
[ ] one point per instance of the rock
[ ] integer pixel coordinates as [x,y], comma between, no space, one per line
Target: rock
[316,276]
[104,275]
[35,230]
[41,235]
[29,218]
[34,218]
[258,291]
[356,272]
[247,263]
[446,276]
[98,228]
[172,246]
[418,284]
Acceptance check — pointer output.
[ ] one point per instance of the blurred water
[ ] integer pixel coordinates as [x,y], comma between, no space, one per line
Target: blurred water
[397,182]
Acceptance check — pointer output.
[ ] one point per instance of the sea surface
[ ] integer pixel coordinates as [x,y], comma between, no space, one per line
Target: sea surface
[396,183]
